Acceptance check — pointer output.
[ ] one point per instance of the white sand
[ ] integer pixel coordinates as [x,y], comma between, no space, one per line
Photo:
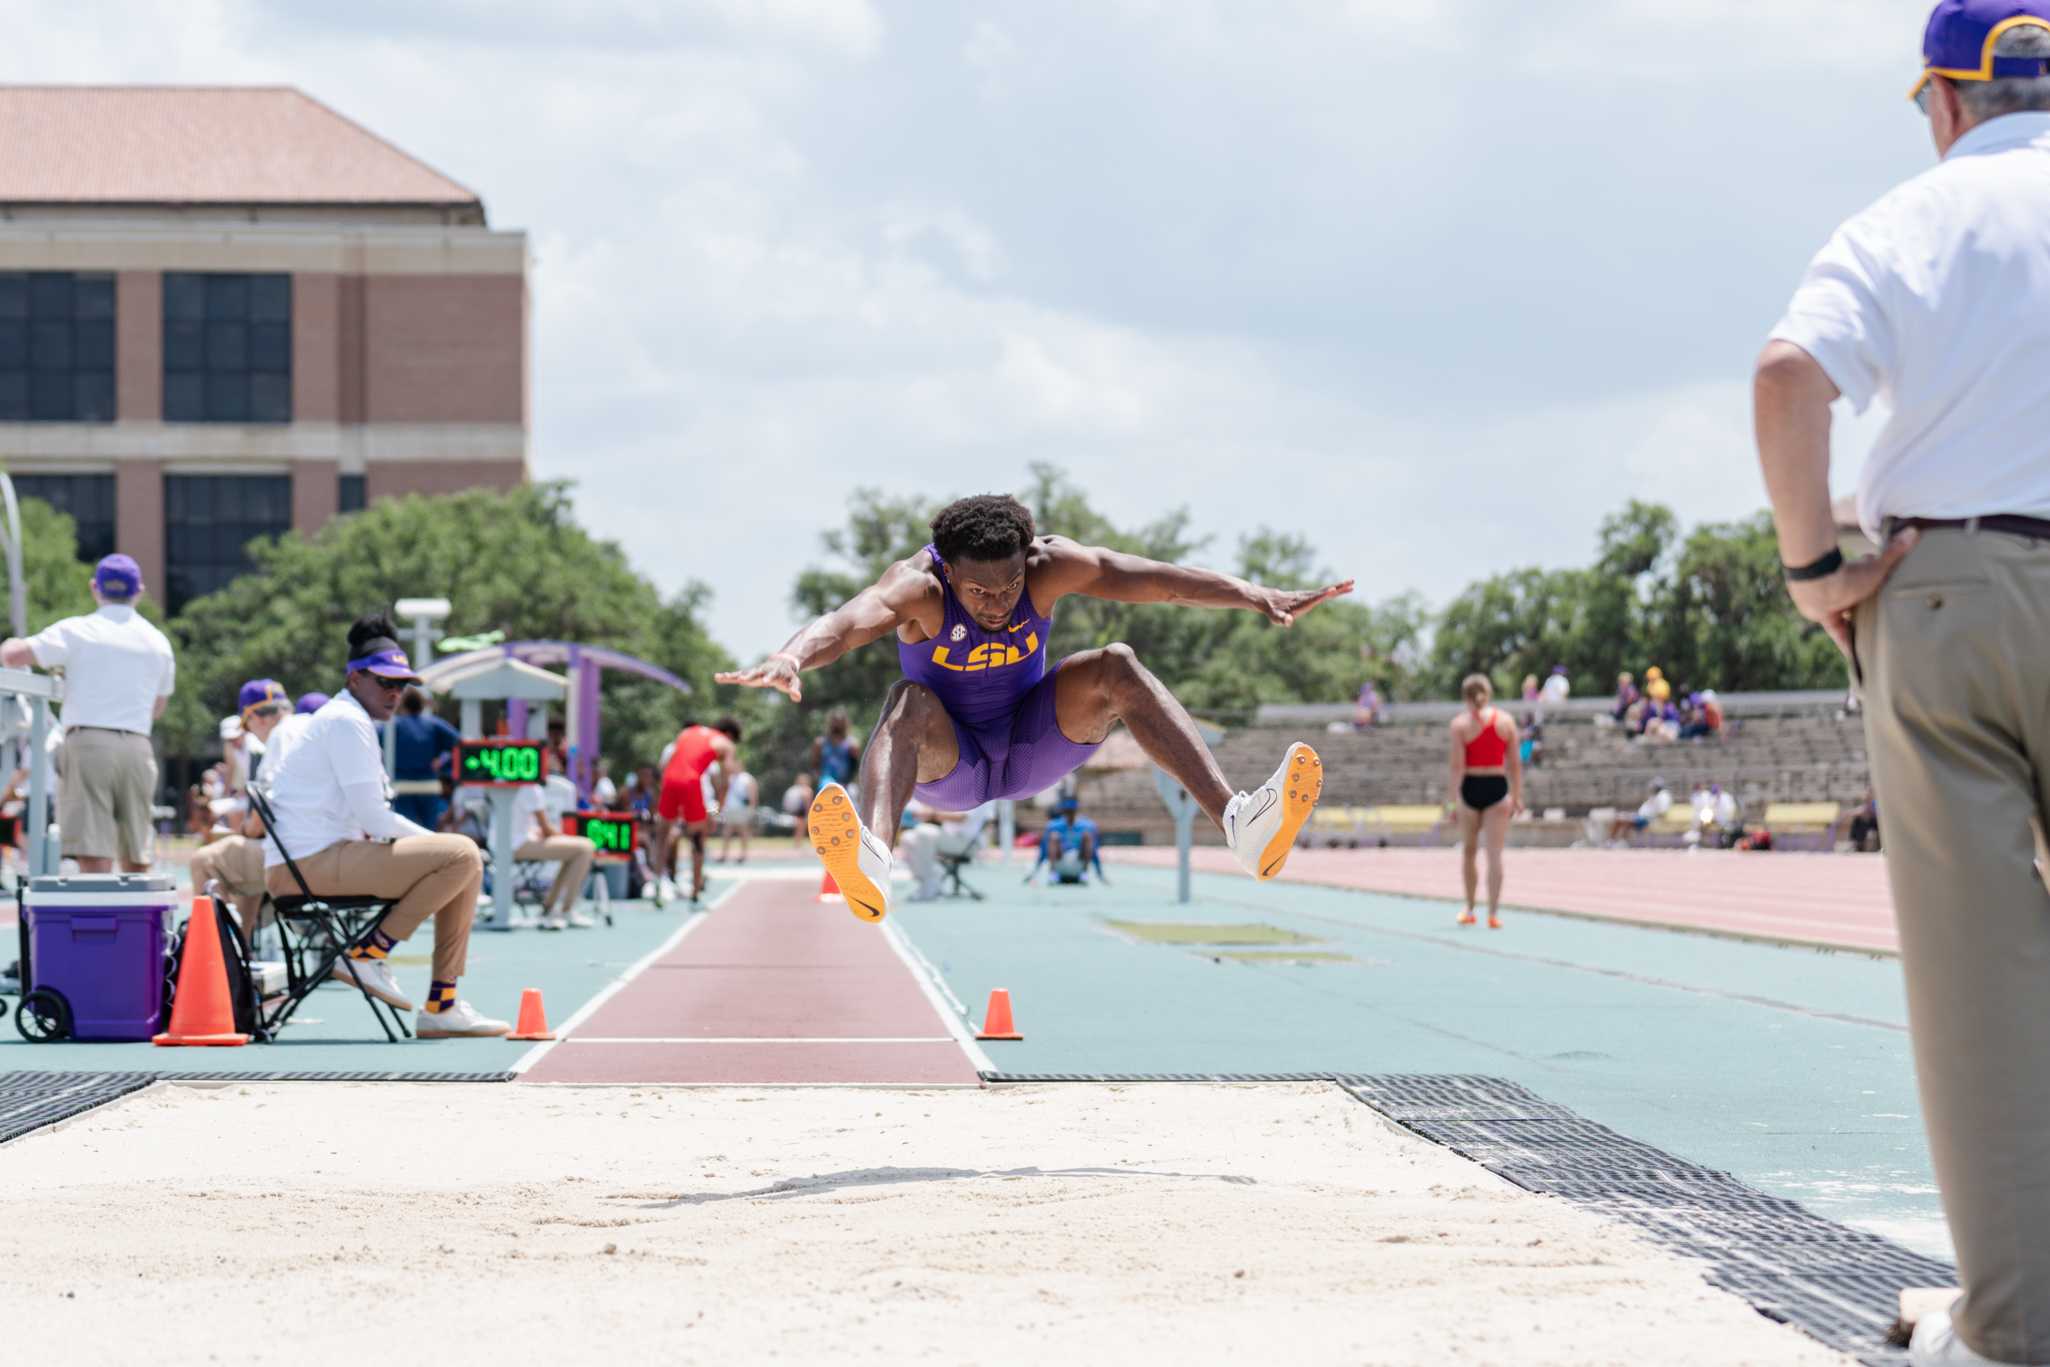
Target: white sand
[507,1225]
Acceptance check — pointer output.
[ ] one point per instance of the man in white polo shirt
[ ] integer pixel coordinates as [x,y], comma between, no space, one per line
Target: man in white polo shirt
[1937,299]
[118,674]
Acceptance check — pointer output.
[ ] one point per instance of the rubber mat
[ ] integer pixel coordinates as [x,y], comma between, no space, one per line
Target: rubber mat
[30,1101]
[1837,1284]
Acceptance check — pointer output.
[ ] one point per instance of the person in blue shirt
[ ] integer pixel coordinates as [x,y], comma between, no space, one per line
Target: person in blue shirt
[1070,846]
[420,757]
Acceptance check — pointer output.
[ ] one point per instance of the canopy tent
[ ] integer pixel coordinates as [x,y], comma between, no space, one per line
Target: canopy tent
[581,665]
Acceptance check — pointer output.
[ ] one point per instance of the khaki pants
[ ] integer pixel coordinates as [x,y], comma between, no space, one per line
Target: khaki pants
[103,810]
[1955,653]
[574,853]
[431,875]
[236,863]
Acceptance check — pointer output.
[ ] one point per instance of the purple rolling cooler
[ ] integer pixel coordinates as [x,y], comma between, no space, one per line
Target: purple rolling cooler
[95,943]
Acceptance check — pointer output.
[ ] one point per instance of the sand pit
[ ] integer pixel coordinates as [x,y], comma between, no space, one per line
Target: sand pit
[517,1224]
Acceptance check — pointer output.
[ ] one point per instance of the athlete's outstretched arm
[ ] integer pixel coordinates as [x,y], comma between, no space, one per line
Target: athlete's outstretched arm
[873,613]
[1099,572]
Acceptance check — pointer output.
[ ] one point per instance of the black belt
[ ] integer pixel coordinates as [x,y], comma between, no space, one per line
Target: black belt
[2035,528]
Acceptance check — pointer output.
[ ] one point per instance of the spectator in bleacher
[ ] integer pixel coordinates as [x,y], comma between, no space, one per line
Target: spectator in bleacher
[1530,692]
[1485,790]
[1556,689]
[1651,809]
[1865,824]
[1655,686]
[1728,816]
[1626,696]
[1367,712]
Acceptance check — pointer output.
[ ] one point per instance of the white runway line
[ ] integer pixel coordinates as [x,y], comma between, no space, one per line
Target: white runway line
[611,990]
[767,1039]
[943,1000]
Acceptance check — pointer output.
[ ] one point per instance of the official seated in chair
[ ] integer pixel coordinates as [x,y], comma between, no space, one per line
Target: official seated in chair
[232,867]
[333,810]
[542,842]
[1070,846]
[932,839]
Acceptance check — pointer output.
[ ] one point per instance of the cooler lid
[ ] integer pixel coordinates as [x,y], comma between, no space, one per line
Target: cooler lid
[102,883]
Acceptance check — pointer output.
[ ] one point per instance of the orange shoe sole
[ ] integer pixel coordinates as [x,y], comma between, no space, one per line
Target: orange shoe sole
[836,835]
[1303,786]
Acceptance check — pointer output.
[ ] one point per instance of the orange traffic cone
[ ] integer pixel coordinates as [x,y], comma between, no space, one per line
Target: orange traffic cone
[996,1020]
[533,1022]
[829,891]
[202,1013]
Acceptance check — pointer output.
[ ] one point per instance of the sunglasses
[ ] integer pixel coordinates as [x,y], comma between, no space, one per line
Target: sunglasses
[388,685]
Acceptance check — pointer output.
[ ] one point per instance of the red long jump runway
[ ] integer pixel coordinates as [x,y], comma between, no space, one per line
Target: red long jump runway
[768,987]
[1839,901]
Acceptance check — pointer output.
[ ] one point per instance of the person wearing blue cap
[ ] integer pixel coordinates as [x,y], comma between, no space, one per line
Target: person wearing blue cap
[118,675]
[309,703]
[1937,298]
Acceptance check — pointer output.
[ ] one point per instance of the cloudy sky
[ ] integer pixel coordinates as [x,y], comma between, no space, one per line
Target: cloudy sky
[1436,283]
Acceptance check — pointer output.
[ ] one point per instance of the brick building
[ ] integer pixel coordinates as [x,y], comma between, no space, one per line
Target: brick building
[229,312]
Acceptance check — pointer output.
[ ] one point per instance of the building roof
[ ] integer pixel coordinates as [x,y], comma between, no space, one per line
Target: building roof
[199,145]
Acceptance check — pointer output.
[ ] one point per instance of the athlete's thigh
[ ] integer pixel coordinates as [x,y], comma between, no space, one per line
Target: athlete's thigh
[1040,751]
[1082,697]
[1469,826]
[1495,825]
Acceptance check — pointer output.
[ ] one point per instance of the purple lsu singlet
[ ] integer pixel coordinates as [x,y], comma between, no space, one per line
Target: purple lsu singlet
[979,675]
[996,687]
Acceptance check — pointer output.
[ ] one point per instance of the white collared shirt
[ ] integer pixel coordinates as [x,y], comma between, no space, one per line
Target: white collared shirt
[1937,300]
[116,665]
[329,783]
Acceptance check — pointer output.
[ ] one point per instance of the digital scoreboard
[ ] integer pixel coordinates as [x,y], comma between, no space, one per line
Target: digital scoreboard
[500,763]
[615,834]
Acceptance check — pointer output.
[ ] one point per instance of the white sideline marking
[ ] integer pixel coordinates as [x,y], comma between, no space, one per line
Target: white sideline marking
[940,995]
[767,1039]
[612,989]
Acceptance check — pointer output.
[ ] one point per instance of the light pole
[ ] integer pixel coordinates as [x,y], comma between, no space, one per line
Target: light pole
[423,613]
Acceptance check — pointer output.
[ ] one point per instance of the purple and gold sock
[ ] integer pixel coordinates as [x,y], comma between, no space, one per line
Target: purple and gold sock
[440,997]
[378,946]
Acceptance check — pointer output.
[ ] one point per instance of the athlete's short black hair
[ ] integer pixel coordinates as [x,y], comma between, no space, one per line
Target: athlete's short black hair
[367,628]
[731,726]
[987,527]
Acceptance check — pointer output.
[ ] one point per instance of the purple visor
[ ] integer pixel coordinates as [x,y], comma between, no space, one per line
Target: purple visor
[388,663]
[258,692]
[1962,34]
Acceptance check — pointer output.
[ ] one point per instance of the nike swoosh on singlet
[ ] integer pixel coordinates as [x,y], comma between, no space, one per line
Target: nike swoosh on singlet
[1020,627]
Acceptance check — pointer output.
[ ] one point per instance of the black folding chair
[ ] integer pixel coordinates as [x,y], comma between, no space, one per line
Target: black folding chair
[327,928]
[951,882]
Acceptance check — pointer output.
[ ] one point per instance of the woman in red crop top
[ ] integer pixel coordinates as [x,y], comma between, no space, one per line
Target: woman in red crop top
[1486,790]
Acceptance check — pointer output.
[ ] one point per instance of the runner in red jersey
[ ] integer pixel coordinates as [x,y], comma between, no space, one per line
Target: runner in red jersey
[688,799]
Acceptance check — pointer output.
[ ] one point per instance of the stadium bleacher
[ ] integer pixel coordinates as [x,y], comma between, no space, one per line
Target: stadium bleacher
[1782,748]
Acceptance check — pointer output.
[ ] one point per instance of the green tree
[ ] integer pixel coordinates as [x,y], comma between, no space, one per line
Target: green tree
[514,561]
[59,583]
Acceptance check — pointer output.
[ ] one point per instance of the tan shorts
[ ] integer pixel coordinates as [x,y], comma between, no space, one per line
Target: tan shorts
[110,783]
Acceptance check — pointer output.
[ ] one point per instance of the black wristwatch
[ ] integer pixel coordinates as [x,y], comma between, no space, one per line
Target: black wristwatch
[1818,569]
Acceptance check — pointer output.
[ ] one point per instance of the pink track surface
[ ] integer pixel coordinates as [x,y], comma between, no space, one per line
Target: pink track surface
[1837,900]
[773,987]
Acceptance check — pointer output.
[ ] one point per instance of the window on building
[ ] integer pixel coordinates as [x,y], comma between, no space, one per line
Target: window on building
[89,499]
[56,346]
[227,347]
[352,495]
[209,521]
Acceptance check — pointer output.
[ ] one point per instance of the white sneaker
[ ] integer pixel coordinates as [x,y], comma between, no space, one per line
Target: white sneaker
[460,1021]
[861,864]
[1936,1342]
[582,920]
[373,976]
[554,920]
[665,891]
[1261,826]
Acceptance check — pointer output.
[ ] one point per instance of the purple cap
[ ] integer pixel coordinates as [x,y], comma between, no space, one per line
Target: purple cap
[257,692]
[117,576]
[386,661]
[309,703]
[1959,40]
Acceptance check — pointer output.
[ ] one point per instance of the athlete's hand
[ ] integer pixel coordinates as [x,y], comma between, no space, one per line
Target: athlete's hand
[1283,606]
[779,672]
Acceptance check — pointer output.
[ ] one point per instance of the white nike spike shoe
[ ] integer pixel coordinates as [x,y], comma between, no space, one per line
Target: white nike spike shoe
[1261,826]
[861,864]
